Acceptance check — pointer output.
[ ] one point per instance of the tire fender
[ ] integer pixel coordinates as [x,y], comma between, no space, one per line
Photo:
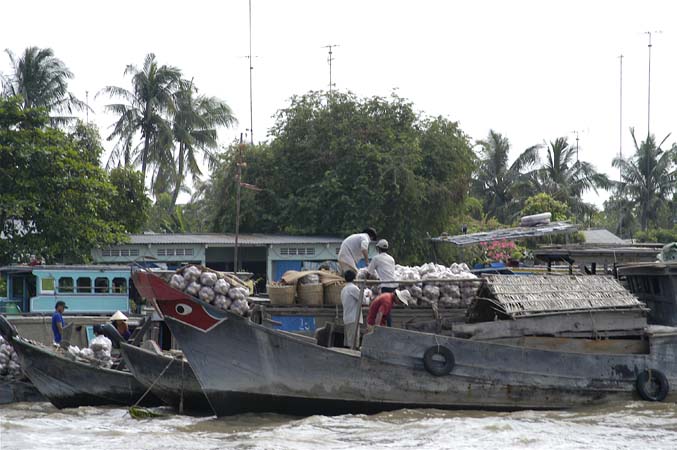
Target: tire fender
[657,377]
[432,366]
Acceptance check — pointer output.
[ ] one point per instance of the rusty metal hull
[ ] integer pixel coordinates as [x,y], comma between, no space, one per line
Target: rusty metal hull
[243,366]
[70,384]
[171,379]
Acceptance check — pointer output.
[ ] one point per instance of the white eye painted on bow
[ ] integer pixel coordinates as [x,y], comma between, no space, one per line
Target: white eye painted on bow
[183,309]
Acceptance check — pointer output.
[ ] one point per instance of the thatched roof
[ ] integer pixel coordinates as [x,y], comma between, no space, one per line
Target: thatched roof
[517,296]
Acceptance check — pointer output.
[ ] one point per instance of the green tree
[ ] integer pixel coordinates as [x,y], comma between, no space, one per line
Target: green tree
[53,200]
[41,79]
[541,203]
[144,111]
[335,168]
[649,179]
[129,205]
[194,124]
[566,179]
[498,183]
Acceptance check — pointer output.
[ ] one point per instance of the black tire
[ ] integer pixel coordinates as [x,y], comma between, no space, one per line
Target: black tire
[434,366]
[652,385]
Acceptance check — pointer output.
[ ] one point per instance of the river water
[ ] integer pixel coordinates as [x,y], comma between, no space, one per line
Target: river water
[635,425]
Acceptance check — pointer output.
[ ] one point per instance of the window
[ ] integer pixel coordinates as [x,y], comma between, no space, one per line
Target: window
[101,285]
[47,285]
[66,285]
[175,252]
[120,252]
[300,251]
[84,285]
[119,285]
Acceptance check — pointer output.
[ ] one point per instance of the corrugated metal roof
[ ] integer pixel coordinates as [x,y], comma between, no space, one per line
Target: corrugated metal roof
[217,239]
[463,240]
[78,267]
[602,236]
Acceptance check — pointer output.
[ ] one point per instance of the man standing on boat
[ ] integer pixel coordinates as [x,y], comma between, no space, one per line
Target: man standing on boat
[383,265]
[58,323]
[382,305]
[354,248]
[351,301]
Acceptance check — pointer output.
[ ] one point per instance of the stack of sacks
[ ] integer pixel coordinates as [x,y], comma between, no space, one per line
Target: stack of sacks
[98,354]
[211,287]
[9,361]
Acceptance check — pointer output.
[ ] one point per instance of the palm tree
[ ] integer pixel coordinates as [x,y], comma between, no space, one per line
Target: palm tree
[195,121]
[648,177]
[41,79]
[145,110]
[566,178]
[499,183]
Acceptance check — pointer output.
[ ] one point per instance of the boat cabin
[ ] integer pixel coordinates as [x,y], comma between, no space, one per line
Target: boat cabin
[86,289]
[656,285]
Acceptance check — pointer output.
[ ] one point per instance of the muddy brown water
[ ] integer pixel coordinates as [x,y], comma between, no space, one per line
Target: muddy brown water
[635,425]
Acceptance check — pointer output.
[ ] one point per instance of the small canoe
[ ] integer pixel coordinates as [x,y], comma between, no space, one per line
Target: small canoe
[169,378]
[69,384]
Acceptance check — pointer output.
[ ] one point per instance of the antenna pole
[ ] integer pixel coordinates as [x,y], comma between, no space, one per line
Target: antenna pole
[237,204]
[648,103]
[330,58]
[251,69]
[620,147]
[87,104]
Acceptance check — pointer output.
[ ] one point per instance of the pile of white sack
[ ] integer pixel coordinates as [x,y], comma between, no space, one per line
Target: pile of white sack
[449,287]
[9,361]
[211,287]
[98,354]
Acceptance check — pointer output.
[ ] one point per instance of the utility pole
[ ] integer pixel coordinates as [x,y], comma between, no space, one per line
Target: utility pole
[620,146]
[330,58]
[648,103]
[87,104]
[576,133]
[251,69]
[240,162]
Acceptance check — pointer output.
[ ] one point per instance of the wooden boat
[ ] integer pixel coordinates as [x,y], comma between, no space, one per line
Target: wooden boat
[169,378]
[654,283]
[69,384]
[14,391]
[243,366]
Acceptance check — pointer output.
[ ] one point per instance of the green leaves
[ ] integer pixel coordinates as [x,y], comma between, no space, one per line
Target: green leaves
[54,198]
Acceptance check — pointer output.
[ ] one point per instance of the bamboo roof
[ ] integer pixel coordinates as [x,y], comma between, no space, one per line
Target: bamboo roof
[517,296]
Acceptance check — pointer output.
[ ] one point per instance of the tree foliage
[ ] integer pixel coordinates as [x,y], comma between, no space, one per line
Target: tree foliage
[336,168]
[129,205]
[54,200]
[41,80]
[543,202]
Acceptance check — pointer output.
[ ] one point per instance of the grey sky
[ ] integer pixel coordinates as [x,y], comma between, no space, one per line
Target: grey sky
[532,70]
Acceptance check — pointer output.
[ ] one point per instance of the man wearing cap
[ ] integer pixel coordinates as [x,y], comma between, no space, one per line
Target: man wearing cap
[120,323]
[382,305]
[58,323]
[383,265]
[354,248]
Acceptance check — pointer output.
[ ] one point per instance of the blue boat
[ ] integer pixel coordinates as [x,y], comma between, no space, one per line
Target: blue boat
[86,289]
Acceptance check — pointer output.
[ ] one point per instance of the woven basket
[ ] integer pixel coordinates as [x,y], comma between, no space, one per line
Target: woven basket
[281,295]
[332,293]
[310,294]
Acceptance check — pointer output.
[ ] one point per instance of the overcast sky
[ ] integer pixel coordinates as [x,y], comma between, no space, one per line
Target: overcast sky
[532,70]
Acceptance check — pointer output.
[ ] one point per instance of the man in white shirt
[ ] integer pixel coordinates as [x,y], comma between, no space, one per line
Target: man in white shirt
[354,248]
[383,265]
[352,303]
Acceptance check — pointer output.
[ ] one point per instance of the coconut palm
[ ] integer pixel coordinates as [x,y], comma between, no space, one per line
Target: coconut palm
[41,79]
[499,183]
[566,178]
[145,111]
[648,177]
[195,122]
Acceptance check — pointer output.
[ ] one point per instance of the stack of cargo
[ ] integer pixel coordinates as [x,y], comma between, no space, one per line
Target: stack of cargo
[222,290]
[9,361]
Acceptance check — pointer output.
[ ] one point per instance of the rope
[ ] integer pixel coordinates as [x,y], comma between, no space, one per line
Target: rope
[152,384]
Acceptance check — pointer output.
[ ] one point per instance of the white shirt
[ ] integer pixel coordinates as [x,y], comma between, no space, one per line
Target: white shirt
[350,299]
[384,266]
[351,248]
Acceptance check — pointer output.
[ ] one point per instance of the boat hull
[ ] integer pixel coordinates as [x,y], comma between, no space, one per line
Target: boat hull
[243,367]
[177,386]
[70,384]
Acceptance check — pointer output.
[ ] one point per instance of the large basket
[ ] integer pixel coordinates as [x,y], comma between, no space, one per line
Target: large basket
[281,295]
[310,294]
[332,293]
